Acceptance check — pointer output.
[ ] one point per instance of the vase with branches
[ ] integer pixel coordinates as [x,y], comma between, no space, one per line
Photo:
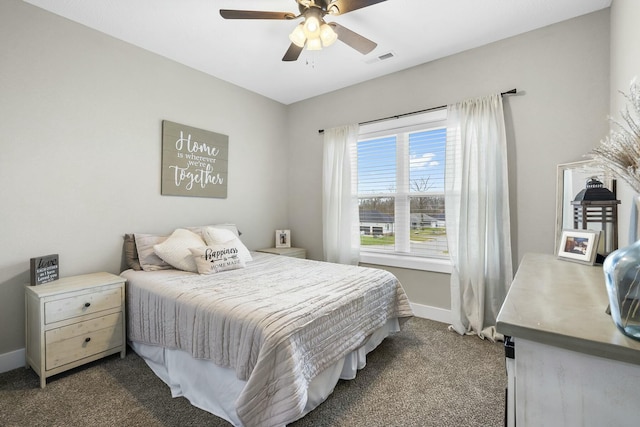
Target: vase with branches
[619,155]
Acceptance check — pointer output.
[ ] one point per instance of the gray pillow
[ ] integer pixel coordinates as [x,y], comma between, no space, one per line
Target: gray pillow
[149,261]
[131,252]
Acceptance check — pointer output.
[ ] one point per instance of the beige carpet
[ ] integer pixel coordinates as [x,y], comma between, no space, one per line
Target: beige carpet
[422,376]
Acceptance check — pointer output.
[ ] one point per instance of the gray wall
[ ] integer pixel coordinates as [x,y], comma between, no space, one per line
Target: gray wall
[80,122]
[625,65]
[80,132]
[625,39]
[562,72]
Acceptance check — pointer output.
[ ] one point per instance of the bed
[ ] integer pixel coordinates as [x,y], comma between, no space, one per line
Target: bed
[264,344]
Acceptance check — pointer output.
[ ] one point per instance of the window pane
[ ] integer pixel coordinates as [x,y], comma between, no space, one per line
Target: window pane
[428,232]
[426,161]
[377,165]
[400,177]
[426,181]
[377,224]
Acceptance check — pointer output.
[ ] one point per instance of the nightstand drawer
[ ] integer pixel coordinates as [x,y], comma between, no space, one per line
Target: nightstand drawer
[74,342]
[80,305]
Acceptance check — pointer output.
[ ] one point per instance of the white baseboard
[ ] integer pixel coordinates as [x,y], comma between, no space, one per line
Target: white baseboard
[12,360]
[16,359]
[432,313]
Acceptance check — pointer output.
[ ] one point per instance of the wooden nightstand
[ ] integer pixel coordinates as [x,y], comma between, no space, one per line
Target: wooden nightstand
[73,321]
[292,252]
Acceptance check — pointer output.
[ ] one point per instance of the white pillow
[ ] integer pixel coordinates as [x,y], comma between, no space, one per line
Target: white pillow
[199,230]
[220,236]
[175,250]
[216,258]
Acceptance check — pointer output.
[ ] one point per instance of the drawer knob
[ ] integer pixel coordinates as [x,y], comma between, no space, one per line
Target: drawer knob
[87,304]
[87,339]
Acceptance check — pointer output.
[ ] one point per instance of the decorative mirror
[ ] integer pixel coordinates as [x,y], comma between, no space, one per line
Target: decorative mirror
[572,178]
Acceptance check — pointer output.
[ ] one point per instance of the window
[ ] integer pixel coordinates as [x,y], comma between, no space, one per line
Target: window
[400,176]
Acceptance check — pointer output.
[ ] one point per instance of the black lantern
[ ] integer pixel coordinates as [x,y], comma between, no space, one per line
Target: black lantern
[597,204]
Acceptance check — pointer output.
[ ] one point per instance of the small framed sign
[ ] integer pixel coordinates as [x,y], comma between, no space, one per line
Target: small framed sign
[44,269]
[283,239]
[579,246]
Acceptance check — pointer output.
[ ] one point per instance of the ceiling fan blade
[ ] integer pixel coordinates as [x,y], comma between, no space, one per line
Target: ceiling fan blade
[292,53]
[254,14]
[354,40]
[345,6]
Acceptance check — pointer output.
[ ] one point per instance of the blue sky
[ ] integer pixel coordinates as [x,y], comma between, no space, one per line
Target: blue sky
[377,160]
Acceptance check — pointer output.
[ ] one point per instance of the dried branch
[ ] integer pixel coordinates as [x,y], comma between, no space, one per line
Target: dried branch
[619,153]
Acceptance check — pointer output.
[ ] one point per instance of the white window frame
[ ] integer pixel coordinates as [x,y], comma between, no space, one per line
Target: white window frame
[402,127]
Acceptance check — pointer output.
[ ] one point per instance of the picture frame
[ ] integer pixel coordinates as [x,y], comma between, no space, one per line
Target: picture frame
[579,246]
[195,162]
[283,238]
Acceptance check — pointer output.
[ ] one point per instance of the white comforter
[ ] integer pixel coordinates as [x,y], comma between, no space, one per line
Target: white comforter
[278,322]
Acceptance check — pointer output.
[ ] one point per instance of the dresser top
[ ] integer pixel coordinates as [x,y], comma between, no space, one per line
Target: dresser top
[74,283]
[564,304]
[283,251]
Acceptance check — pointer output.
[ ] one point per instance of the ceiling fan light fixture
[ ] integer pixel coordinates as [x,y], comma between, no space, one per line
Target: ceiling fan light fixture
[297,36]
[327,35]
[314,33]
[314,44]
[311,27]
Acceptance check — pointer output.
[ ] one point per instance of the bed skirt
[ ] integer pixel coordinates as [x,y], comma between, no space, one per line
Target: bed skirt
[215,389]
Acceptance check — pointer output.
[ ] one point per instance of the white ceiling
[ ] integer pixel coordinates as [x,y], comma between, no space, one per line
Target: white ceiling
[248,53]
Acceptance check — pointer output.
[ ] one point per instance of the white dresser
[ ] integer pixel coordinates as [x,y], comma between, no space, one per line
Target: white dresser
[73,321]
[572,366]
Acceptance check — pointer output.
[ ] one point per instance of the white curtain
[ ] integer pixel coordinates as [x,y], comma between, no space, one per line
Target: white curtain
[477,214]
[340,218]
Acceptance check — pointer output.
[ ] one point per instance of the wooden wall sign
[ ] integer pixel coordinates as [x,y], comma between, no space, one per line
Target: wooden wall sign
[194,161]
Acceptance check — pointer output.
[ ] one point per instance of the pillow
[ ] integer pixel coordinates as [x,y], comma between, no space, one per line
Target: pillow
[200,229]
[131,252]
[175,250]
[147,257]
[216,258]
[220,236]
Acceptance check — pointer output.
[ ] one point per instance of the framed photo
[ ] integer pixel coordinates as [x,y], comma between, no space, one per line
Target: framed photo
[283,239]
[579,246]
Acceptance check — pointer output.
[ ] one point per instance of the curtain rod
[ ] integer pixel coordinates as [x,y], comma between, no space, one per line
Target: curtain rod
[509,92]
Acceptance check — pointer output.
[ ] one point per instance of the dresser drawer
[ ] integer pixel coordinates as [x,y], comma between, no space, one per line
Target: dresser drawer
[81,304]
[74,342]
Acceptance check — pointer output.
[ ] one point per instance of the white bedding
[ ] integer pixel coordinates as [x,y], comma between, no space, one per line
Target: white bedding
[192,378]
[277,323]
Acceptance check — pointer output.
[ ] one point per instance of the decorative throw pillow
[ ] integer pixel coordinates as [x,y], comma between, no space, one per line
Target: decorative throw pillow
[131,252]
[149,261]
[175,250]
[220,236]
[216,258]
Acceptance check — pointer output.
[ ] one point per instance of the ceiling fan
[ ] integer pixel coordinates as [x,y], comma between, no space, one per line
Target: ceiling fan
[314,32]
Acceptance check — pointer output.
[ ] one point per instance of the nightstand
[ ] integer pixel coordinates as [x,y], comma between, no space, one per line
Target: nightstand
[291,252]
[73,321]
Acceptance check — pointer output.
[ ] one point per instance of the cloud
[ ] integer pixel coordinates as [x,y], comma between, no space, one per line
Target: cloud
[423,161]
